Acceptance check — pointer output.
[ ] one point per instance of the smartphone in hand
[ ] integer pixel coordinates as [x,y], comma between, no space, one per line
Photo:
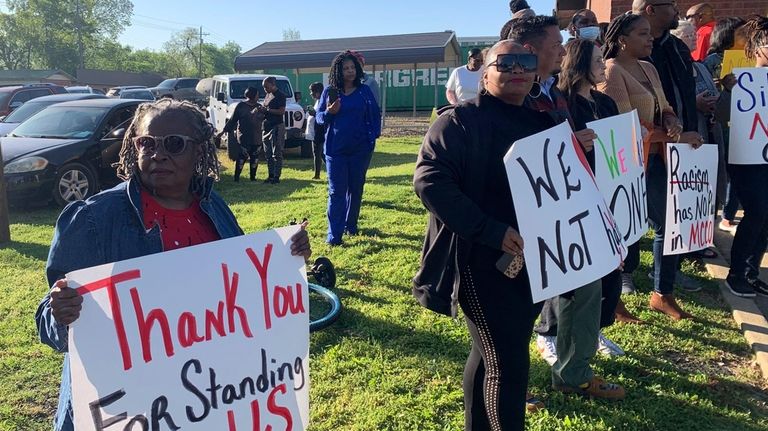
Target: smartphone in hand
[333,95]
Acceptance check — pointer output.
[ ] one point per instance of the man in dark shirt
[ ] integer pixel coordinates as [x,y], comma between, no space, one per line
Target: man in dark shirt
[672,60]
[274,129]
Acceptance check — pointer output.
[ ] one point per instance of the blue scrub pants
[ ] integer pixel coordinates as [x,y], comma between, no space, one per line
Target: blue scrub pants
[346,178]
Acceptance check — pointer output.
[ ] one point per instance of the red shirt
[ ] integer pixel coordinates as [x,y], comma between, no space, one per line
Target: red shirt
[178,228]
[702,41]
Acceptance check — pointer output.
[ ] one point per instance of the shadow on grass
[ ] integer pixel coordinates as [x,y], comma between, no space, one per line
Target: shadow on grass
[383,160]
[247,192]
[393,206]
[661,397]
[405,340]
[28,249]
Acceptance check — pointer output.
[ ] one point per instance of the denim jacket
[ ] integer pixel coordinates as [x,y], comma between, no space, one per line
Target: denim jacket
[108,227]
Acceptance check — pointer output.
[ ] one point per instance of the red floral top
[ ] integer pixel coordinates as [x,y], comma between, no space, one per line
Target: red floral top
[178,228]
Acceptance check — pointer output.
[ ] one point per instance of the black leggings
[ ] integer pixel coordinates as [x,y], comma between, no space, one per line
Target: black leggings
[500,316]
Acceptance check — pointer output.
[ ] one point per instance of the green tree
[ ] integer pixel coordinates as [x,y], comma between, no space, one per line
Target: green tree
[15,45]
[63,32]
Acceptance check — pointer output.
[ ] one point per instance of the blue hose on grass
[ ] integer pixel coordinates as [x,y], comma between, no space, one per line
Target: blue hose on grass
[332,315]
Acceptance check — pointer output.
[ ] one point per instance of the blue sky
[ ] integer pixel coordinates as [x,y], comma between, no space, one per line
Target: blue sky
[155,21]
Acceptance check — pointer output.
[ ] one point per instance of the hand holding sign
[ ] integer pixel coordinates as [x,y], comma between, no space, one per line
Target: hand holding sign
[587,138]
[66,303]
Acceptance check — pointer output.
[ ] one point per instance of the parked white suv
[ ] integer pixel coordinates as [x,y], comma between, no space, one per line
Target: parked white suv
[226,91]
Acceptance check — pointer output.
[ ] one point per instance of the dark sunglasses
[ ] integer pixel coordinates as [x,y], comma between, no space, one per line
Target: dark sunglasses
[172,144]
[689,17]
[508,62]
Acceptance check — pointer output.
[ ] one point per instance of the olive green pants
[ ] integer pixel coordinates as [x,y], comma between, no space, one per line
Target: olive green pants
[577,331]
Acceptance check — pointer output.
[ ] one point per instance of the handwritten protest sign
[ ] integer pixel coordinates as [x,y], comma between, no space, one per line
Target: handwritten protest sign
[691,185]
[734,59]
[570,236]
[619,172]
[210,337]
[749,118]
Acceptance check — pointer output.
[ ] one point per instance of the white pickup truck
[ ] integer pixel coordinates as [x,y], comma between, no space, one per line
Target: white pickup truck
[226,91]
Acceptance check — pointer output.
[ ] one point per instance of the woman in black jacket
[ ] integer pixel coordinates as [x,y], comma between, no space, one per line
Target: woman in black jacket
[461,179]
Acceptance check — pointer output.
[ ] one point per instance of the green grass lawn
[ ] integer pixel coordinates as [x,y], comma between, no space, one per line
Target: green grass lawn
[387,363]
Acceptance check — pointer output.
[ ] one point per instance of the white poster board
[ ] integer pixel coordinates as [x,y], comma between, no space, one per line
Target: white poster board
[569,234]
[691,206]
[749,117]
[620,173]
[209,337]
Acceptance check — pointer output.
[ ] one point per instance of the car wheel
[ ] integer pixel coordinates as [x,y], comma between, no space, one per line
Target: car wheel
[74,182]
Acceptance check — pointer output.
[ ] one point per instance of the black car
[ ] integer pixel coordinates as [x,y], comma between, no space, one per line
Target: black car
[66,150]
[20,115]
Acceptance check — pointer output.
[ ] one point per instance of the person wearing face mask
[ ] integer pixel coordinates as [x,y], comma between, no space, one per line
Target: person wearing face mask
[584,25]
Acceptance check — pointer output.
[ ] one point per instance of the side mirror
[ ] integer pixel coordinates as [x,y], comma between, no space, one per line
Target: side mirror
[113,135]
[297,96]
[221,97]
[2,117]
[15,105]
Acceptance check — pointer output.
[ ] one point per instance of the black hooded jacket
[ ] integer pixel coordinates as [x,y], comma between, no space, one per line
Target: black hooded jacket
[467,215]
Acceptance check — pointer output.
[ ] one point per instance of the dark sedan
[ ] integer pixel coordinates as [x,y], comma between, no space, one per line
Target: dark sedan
[66,151]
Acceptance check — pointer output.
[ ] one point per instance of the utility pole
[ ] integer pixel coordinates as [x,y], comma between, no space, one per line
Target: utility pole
[79,28]
[5,230]
[200,55]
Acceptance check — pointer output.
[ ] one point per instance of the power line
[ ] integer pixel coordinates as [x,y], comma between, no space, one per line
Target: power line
[166,20]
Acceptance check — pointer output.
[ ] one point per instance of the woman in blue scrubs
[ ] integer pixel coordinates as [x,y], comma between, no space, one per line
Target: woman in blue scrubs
[353,123]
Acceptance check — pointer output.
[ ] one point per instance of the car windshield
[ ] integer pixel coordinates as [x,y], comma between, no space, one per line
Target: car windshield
[168,83]
[137,94]
[4,98]
[237,88]
[25,111]
[62,122]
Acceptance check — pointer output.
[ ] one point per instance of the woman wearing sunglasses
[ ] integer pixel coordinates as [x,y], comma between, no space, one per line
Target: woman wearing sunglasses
[168,161]
[461,179]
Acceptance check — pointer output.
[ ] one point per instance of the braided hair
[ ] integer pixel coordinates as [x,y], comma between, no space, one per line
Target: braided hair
[336,74]
[622,25]
[206,166]
[757,35]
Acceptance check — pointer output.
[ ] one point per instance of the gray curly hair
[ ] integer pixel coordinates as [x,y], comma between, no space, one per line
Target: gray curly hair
[208,163]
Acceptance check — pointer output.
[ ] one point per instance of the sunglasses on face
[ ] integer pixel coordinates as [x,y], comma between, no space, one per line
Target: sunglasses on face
[508,62]
[171,144]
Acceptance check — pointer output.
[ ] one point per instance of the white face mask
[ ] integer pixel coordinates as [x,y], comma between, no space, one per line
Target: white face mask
[589,33]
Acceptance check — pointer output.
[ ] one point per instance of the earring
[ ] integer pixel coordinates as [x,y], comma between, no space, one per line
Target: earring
[537,86]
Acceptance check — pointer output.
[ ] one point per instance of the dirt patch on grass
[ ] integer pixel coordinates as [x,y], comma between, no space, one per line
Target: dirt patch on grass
[398,124]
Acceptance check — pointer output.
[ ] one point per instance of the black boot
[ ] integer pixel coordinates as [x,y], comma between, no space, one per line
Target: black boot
[253,171]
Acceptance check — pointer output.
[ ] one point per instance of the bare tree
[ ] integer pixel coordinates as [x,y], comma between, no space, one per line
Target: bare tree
[291,34]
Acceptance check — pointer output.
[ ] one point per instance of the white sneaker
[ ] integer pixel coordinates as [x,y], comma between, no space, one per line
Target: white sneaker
[607,347]
[547,346]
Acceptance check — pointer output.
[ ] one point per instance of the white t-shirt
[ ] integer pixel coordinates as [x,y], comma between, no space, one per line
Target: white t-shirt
[464,82]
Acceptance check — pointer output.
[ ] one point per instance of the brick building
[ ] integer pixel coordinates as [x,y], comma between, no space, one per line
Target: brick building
[608,9]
